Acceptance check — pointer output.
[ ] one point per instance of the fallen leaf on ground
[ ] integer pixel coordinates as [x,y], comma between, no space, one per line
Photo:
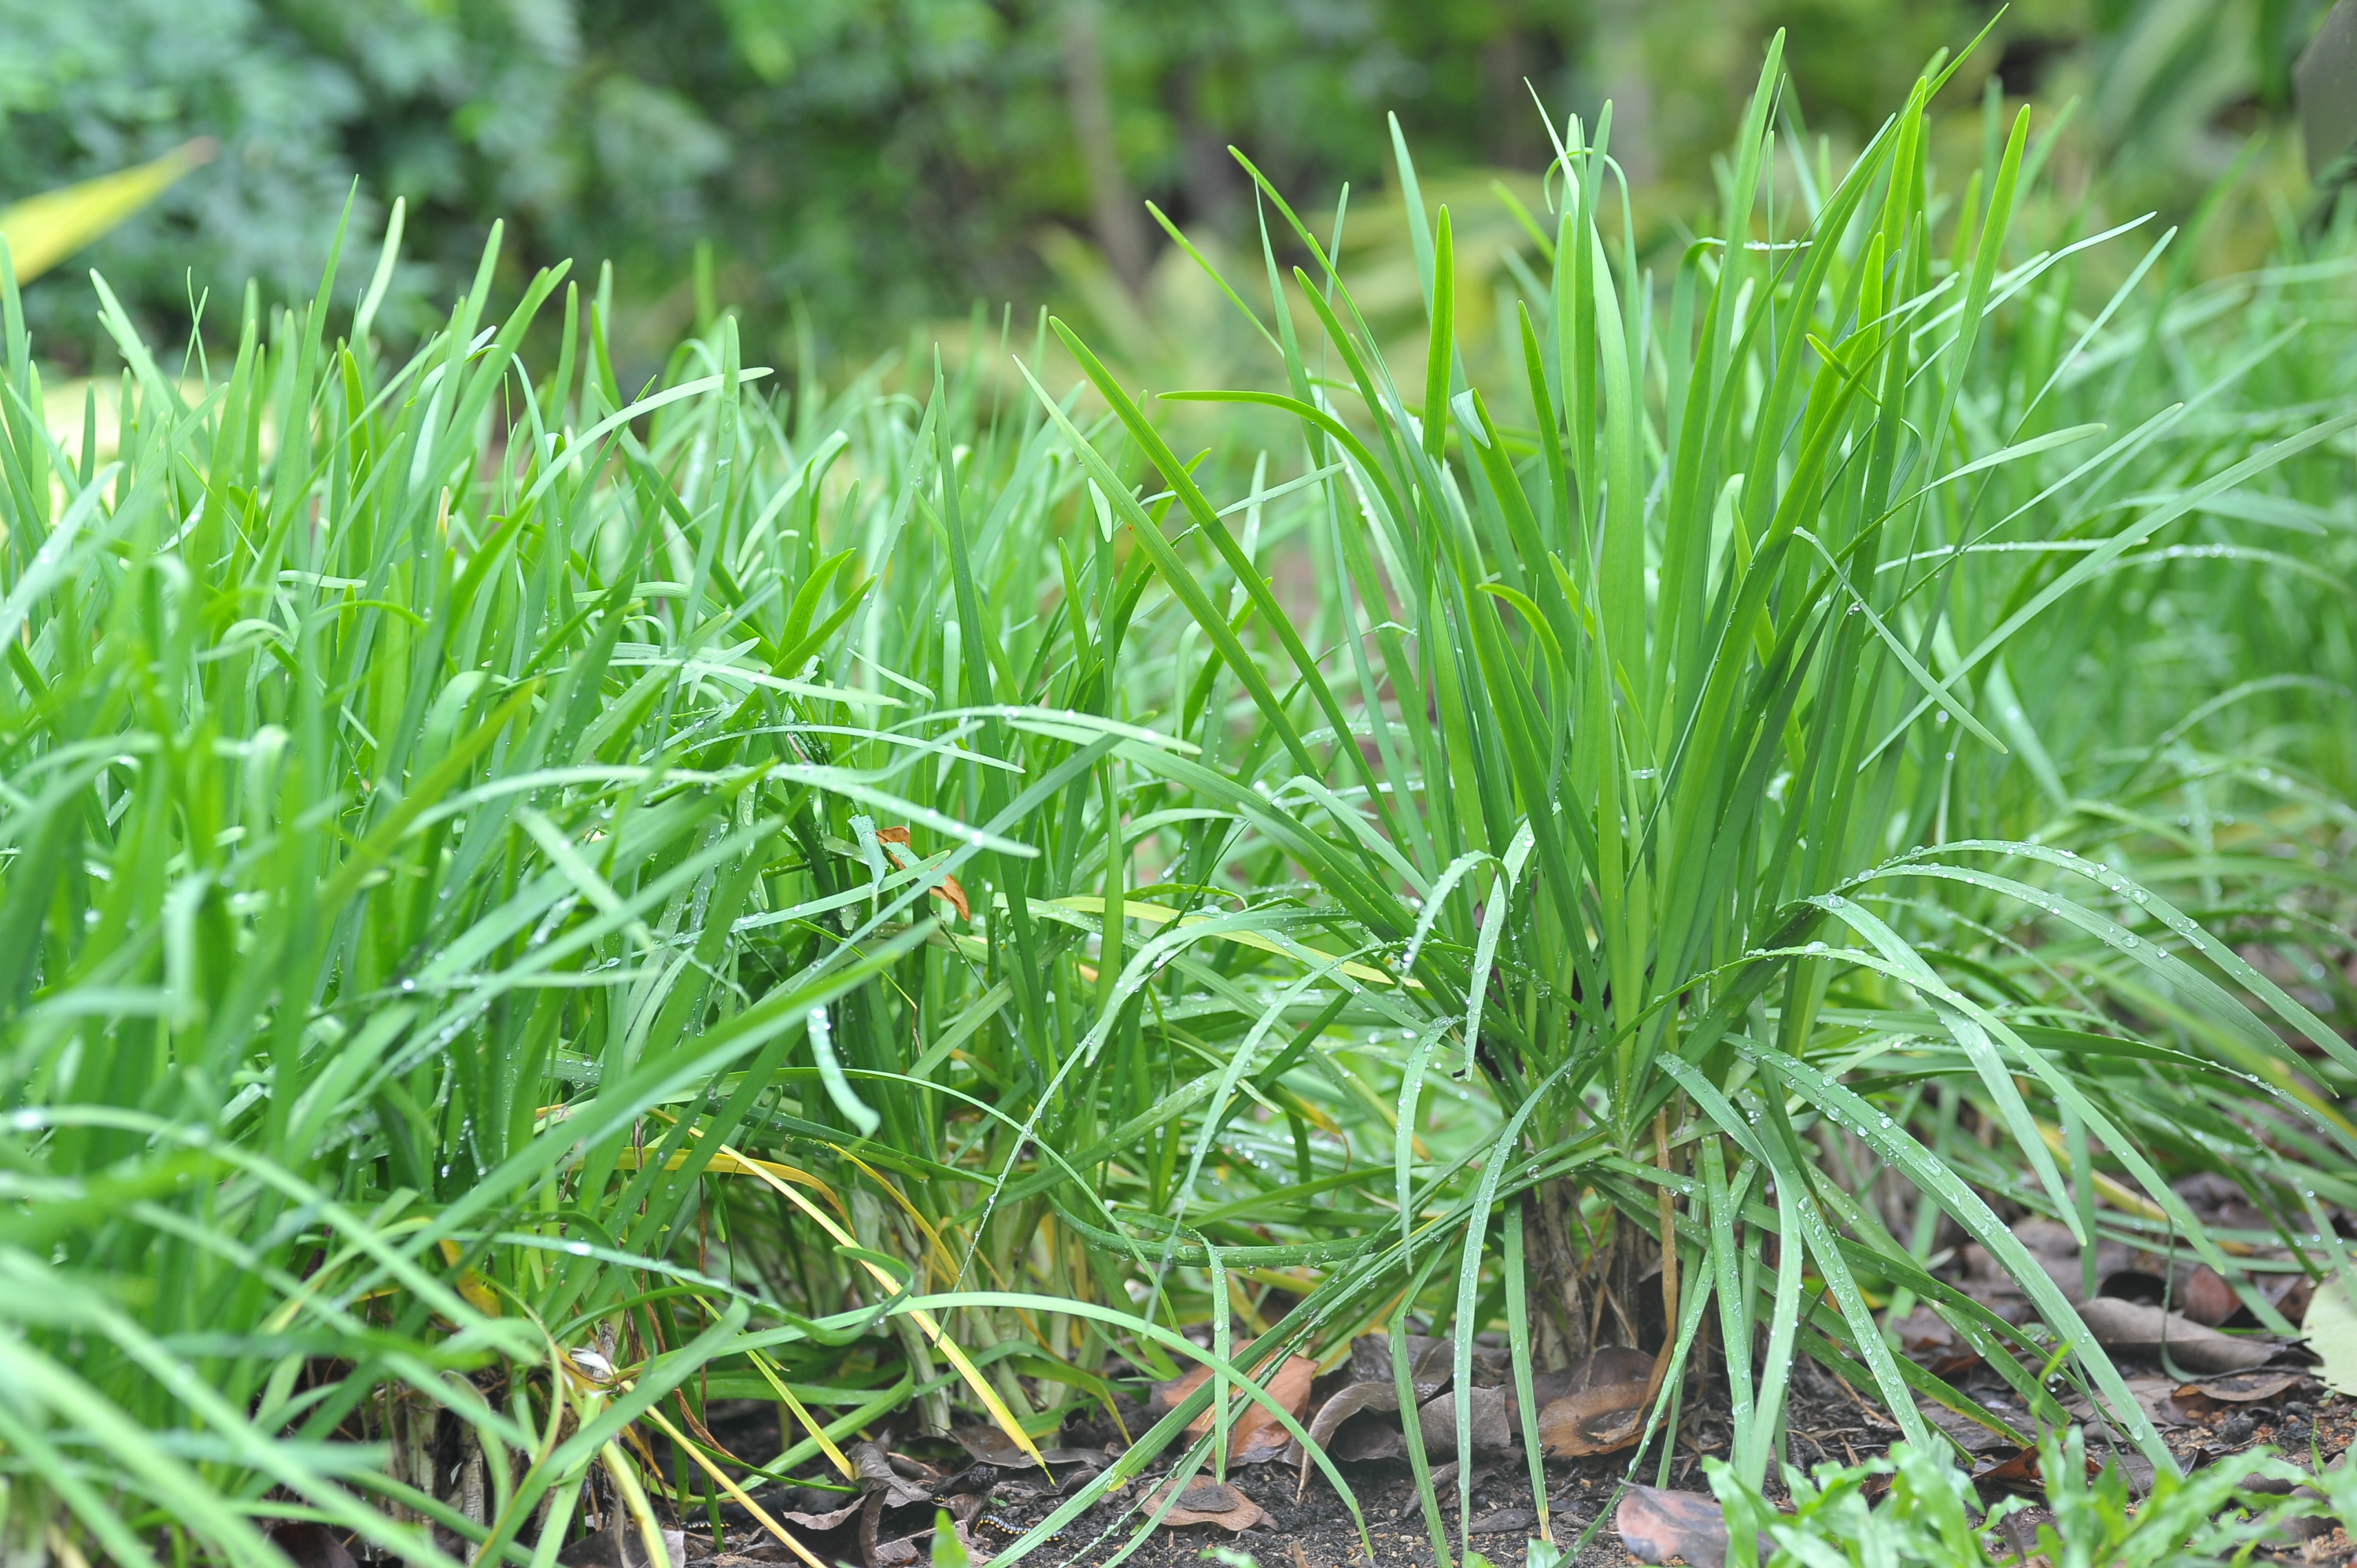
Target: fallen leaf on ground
[1257,1436]
[2132,1326]
[2206,1297]
[2156,1397]
[1429,1361]
[2017,1474]
[1348,1401]
[308,1544]
[1593,1421]
[1167,1396]
[1492,1422]
[899,1480]
[2330,1326]
[2292,1530]
[1602,1406]
[2209,1298]
[1505,1521]
[909,1545]
[1373,1388]
[891,1553]
[1606,1364]
[1970,1434]
[2203,1395]
[988,1446]
[1657,1526]
[823,1522]
[1927,1339]
[1208,1502]
[2019,1532]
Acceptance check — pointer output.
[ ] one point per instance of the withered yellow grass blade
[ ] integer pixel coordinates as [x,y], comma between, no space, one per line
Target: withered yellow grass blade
[735,1491]
[924,1320]
[762,1365]
[1162,915]
[728,1163]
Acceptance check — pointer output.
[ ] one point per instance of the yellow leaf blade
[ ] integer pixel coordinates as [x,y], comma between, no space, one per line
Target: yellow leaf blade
[44,230]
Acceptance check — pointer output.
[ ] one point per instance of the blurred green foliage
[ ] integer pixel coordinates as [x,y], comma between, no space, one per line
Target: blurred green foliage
[867,164]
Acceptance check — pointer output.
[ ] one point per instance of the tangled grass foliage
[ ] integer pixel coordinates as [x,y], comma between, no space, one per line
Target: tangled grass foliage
[528,908]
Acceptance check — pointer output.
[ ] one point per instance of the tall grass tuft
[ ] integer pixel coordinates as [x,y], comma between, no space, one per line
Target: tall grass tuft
[529,906]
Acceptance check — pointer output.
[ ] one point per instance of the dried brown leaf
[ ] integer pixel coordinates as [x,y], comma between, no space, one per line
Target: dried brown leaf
[2237,1387]
[1257,1436]
[1492,1420]
[1429,1362]
[988,1446]
[1970,1434]
[308,1544]
[1167,1396]
[2133,1327]
[1348,1401]
[2017,1474]
[899,1480]
[1593,1421]
[1208,1502]
[2208,1298]
[823,1522]
[1661,1527]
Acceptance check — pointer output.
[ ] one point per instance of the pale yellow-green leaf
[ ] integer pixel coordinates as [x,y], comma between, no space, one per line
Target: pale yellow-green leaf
[2331,1328]
[44,230]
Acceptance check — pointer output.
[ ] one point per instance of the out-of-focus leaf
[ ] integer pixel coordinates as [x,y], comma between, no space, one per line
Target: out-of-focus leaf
[44,230]
[2331,1327]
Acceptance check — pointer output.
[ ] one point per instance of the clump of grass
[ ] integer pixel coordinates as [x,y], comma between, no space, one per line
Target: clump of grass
[530,907]
[1927,1514]
[1699,739]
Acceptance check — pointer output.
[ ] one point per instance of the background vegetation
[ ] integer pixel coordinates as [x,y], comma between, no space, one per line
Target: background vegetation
[878,162]
[1694,746]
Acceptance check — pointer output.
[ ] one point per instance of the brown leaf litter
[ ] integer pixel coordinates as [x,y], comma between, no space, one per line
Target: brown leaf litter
[1208,1502]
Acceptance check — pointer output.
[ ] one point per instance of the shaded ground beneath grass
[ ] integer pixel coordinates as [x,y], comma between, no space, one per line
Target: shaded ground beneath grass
[1312,1527]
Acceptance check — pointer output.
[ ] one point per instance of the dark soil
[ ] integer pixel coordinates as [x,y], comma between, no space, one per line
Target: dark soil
[1312,1528]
